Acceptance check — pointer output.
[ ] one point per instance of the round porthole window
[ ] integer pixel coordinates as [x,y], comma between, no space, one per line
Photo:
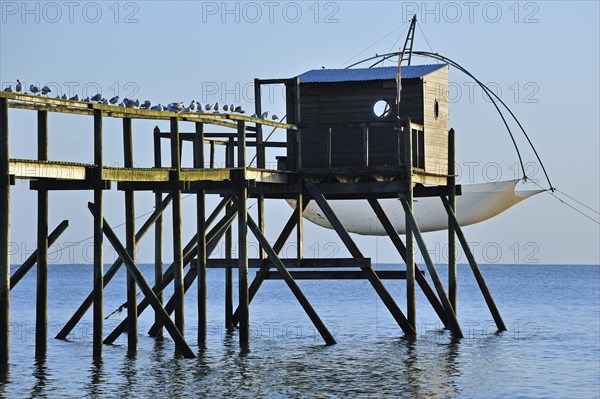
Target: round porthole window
[436,108]
[382,109]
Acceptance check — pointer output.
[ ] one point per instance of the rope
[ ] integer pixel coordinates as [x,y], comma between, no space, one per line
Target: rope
[551,192]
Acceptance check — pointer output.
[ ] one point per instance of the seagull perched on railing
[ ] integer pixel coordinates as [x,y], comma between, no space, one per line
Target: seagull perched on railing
[146,105]
[46,90]
[97,97]
[19,86]
[239,109]
[225,107]
[208,107]
[158,107]
[8,89]
[175,107]
[264,115]
[114,100]
[75,98]
[192,106]
[216,107]
[274,117]
[33,89]
[64,97]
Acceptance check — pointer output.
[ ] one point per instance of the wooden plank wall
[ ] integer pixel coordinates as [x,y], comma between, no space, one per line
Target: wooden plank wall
[436,130]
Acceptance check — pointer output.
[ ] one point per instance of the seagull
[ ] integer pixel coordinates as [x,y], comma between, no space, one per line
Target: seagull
[216,107]
[226,108]
[19,86]
[97,97]
[114,100]
[136,103]
[231,109]
[264,115]
[254,115]
[87,99]
[158,107]
[75,98]
[46,90]
[104,101]
[9,89]
[64,96]
[239,109]
[146,105]
[34,89]
[175,107]
[274,117]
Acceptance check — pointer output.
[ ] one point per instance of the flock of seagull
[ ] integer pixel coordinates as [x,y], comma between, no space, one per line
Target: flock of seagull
[135,103]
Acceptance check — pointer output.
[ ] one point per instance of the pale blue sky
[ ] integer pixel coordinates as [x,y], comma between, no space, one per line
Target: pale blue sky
[543,56]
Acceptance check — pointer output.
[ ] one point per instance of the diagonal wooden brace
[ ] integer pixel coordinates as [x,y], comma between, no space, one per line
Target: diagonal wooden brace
[32,259]
[450,315]
[188,254]
[66,330]
[212,240]
[385,296]
[180,343]
[401,248]
[266,265]
[474,267]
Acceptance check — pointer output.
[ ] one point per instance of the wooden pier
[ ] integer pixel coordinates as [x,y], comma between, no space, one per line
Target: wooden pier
[297,178]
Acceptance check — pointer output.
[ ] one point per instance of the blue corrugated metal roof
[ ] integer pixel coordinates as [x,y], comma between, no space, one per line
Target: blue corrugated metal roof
[364,74]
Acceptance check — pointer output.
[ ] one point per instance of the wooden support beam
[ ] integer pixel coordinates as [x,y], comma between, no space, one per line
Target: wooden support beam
[68,185]
[474,267]
[411,299]
[41,308]
[176,335]
[450,316]
[354,251]
[89,300]
[4,235]
[451,184]
[201,234]
[300,228]
[290,263]
[33,258]
[272,255]
[242,207]
[132,328]
[397,241]
[228,250]
[189,253]
[338,275]
[177,250]
[158,225]
[98,317]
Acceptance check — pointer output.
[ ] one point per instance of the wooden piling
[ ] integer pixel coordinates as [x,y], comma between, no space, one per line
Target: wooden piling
[201,234]
[41,319]
[177,250]
[451,183]
[411,299]
[158,225]
[4,235]
[98,316]
[242,205]
[130,244]
[228,249]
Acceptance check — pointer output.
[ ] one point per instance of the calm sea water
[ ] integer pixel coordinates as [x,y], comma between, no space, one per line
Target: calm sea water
[552,348]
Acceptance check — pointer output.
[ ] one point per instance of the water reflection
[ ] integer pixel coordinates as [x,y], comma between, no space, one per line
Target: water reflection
[41,379]
[97,378]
